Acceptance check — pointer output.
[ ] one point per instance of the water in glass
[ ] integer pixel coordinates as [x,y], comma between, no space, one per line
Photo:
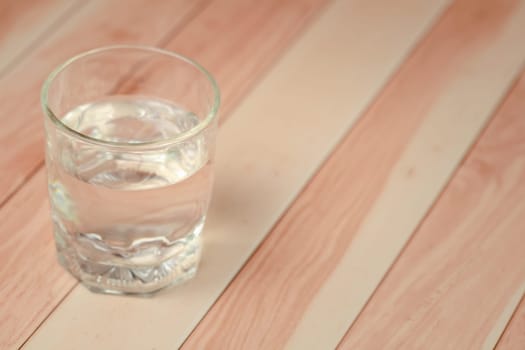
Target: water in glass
[123,220]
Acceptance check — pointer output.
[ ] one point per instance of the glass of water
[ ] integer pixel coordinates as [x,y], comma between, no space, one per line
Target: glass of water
[130,134]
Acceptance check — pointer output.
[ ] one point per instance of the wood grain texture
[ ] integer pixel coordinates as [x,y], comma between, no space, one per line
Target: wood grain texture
[252,191]
[32,282]
[23,23]
[514,336]
[237,41]
[99,23]
[436,295]
[315,272]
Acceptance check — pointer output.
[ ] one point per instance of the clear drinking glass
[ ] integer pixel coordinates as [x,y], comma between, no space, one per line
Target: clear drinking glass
[130,134]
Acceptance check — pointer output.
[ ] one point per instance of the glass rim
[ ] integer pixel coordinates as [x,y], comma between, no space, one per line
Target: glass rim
[202,125]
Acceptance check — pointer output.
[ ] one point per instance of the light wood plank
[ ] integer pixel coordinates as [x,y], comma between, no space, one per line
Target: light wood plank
[32,282]
[99,23]
[311,277]
[23,23]
[463,272]
[201,40]
[514,336]
[283,143]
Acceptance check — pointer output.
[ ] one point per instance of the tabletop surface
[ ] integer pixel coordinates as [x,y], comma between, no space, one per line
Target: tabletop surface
[378,201]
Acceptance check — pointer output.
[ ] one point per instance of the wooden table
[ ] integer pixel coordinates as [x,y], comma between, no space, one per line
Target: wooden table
[378,202]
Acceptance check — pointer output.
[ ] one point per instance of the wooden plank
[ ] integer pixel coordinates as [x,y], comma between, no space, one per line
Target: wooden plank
[99,23]
[314,273]
[283,143]
[23,23]
[463,273]
[514,336]
[33,284]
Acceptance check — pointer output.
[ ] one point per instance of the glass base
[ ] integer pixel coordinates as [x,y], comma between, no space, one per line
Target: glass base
[106,278]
